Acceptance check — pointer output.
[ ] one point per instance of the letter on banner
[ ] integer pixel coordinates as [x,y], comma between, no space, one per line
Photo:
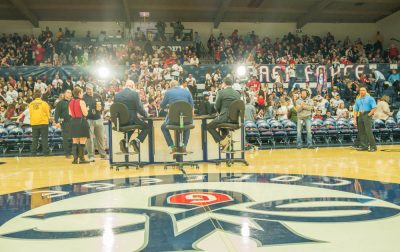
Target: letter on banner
[334,72]
[359,70]
[307,72]
[347,67]
[264,74]
[275,72]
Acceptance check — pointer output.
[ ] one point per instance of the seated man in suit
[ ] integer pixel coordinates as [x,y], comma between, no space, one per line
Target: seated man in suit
[224,99]
[174,94]
[131,99]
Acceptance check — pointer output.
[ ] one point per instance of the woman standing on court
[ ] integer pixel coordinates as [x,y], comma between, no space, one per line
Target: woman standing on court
[79,126]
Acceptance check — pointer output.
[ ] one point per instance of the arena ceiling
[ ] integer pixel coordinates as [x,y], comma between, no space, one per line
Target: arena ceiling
[216,11]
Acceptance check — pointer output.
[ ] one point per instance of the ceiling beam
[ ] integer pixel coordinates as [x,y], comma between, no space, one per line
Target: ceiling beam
[312,12]
[125,6]
[21,6]
[223,7]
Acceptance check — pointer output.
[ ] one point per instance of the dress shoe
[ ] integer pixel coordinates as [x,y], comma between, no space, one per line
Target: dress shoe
[122,146]
[135,146]
[173,150]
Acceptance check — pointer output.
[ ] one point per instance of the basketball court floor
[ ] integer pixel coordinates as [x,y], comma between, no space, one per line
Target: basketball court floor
[327,199]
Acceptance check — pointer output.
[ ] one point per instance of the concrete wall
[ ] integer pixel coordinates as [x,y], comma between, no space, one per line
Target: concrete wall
[390,28]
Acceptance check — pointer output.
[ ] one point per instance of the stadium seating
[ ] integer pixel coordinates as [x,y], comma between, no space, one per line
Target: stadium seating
[330,132]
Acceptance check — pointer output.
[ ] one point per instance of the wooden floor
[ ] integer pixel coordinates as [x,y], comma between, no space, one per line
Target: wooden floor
[26,173]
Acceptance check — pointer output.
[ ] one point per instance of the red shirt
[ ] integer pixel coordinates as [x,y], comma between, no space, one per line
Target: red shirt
[261,101]
[254,85]
[393,52]
[39,54]
[75,108]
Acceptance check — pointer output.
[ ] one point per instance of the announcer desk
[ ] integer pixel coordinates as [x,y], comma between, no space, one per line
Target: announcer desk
[155,149]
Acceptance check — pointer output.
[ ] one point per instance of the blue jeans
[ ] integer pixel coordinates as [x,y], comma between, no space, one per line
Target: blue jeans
[379,88]
[299,129]
[167,134]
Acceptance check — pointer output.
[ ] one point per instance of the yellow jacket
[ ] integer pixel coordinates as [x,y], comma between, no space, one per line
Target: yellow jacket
[39,112]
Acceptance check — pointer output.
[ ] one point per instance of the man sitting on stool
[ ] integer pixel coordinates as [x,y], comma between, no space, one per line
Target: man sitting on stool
[224,99]
[131,99]
[174,94]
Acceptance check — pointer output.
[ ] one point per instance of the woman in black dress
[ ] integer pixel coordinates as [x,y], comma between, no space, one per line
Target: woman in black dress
[79,126]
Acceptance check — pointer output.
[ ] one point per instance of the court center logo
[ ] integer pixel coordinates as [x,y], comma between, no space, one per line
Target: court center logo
[268,214]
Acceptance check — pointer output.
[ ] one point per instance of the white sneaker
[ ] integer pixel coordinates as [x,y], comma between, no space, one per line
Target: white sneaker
[91,159]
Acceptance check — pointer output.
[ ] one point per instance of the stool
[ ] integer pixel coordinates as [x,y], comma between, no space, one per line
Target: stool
[119,115]
[235,115]
[180,117]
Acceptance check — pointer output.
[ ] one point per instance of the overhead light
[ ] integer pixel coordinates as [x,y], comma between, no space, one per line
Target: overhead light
[241,71]
[103,72]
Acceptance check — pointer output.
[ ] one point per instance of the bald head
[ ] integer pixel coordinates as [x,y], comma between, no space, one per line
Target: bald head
[174,83]
[130,84]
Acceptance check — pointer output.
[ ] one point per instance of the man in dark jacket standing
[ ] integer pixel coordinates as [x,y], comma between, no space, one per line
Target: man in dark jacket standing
[62,119]
[224,99]
[131,99]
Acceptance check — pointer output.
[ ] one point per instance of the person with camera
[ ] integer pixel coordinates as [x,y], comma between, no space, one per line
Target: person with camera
[95,106]
[304,106]
[62,119]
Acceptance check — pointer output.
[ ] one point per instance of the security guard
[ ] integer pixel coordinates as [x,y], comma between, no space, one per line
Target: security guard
[39,111]
[62,119]
[95,107]
[366,107]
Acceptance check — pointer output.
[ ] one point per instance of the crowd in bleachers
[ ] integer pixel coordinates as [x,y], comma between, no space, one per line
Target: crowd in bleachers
[58,49]
[299,49]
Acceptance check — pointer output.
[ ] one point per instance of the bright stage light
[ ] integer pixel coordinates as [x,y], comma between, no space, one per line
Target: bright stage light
[241,71]
[103,72]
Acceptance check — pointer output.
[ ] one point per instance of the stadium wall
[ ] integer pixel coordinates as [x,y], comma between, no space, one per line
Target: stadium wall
[390,28]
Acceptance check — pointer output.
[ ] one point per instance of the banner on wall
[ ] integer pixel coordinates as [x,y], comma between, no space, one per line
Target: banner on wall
[265,73]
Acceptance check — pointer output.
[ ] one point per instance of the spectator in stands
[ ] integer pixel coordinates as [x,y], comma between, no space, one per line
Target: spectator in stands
[292,77]
[39,112]
[24,116]
[341,111]
[379,81]
[393,52]
[68,84]
[250,111]
[382,109]
[304,107]
[318,115]
[205,107]
[282,111]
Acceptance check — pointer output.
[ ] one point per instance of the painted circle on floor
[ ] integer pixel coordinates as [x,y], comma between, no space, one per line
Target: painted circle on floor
[208,212]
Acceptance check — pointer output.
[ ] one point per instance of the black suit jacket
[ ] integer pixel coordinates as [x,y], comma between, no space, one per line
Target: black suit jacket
[132,100]
[224,99]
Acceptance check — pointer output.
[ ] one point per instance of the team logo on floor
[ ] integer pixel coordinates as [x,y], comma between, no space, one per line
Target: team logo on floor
[278,210]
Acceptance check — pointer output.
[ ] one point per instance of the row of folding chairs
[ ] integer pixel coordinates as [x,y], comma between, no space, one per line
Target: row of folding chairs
[19,139]
[323,133]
